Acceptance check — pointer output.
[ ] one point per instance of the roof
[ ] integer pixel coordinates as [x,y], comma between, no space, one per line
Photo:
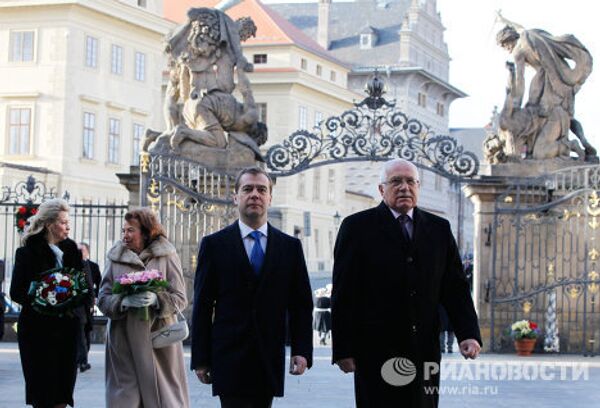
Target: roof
[344,36]
[272,28]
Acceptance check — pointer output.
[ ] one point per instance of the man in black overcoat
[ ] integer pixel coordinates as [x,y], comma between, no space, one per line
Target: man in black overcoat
[249,276]
[393,265]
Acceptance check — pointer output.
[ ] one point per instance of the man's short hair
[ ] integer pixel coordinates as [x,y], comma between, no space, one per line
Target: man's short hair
[86,245]
[255,171]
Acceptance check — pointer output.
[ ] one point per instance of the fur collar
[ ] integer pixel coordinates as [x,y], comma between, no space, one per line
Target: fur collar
[157,248]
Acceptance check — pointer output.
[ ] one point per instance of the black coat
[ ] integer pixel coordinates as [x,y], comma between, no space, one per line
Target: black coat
[95,275]
[386,293]
[46,344]
[244,345]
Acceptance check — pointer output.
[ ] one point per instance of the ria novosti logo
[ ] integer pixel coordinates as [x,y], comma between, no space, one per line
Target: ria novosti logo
[398,371]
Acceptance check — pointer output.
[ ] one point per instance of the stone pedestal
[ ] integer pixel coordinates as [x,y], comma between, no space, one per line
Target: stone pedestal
[131,181]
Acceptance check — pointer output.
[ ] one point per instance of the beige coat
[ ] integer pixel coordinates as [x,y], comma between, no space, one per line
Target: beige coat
[137,375]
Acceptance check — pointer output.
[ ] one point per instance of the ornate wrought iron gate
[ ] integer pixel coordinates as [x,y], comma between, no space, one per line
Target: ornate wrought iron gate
[546,260]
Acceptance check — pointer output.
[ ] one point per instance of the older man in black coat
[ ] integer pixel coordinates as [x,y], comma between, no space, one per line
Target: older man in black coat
[249,277]
[394,264]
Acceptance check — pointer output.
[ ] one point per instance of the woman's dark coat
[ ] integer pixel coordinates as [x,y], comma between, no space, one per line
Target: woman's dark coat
[46,343]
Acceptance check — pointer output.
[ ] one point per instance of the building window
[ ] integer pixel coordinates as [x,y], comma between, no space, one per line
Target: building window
[331,243]
[440,109]
[332,76]
[422,100]
[317,244]
[114,134]
[91,52]
[116,60]
[317,184]
[260,58]
[19,130]
[21,46]
[319,70]
[331,186]
[89,134]
[301,185]
[302,117]
[303,63]
[318,118]
[262,112]
[142,3]
[421,177]
[138,135]
[140,66]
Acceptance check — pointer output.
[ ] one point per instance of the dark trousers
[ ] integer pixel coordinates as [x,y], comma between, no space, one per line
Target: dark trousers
[246,402]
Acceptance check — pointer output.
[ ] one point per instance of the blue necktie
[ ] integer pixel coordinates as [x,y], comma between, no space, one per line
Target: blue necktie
[257,256]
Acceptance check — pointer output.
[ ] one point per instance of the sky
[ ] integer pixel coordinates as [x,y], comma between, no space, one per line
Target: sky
[477,64]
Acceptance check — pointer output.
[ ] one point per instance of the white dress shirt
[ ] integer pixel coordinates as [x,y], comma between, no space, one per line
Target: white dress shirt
[249,241]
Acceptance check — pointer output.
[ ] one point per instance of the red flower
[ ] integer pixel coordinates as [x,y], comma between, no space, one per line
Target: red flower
[33,211]
[65,284]
[533,325]
[61,297]
[21,223]
[22,210]
[45,292]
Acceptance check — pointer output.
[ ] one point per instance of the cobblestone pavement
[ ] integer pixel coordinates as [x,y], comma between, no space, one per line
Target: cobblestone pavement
[491,381]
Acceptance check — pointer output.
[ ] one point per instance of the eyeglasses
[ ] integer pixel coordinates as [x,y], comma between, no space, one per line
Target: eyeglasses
[398,181]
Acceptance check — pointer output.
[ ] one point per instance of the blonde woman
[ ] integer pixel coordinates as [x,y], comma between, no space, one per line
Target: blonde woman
[47,344]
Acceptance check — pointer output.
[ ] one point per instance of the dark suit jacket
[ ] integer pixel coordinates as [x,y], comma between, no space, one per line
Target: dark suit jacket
[386,293]
[244,344]
[96,276]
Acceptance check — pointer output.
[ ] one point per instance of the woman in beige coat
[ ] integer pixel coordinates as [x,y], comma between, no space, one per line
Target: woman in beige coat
[138,375]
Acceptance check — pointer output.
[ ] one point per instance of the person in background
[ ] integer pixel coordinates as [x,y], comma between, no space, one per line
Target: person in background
[322,319]
[86,321]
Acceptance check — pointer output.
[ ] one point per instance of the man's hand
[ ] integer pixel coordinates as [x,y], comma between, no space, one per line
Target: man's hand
[469,348]
[203,374]
[347,365]
[298,365]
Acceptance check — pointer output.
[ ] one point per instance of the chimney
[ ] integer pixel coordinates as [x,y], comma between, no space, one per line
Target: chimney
[323,24]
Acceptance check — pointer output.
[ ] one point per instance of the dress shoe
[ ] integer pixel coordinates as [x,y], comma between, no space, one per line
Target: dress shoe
[84,367]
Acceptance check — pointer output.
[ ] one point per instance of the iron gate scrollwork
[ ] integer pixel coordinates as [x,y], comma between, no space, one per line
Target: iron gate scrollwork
[374,130]
[546,261]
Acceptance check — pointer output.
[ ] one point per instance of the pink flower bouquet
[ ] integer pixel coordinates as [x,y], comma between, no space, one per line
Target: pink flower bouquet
[140,281]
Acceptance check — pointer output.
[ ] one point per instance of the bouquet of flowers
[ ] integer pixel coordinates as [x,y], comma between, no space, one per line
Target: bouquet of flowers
[22,214]
[524,329]
[141,281]
[58,291]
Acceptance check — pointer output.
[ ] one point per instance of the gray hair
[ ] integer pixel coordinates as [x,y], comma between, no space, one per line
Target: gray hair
[48,212]
[388,164]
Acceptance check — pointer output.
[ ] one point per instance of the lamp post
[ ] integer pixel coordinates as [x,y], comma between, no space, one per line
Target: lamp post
[337,219]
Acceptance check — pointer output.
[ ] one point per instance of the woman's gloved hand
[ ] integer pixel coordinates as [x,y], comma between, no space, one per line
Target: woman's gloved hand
[142,299]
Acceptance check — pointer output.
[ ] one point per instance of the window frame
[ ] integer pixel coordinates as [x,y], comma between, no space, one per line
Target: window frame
[260,59]
[112,138]
[9,125]
[118,60]
[135,151]
[91,55]
[11,47]
[86,131]
[139,71]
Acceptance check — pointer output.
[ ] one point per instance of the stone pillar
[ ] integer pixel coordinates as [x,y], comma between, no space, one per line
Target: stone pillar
[131,181]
